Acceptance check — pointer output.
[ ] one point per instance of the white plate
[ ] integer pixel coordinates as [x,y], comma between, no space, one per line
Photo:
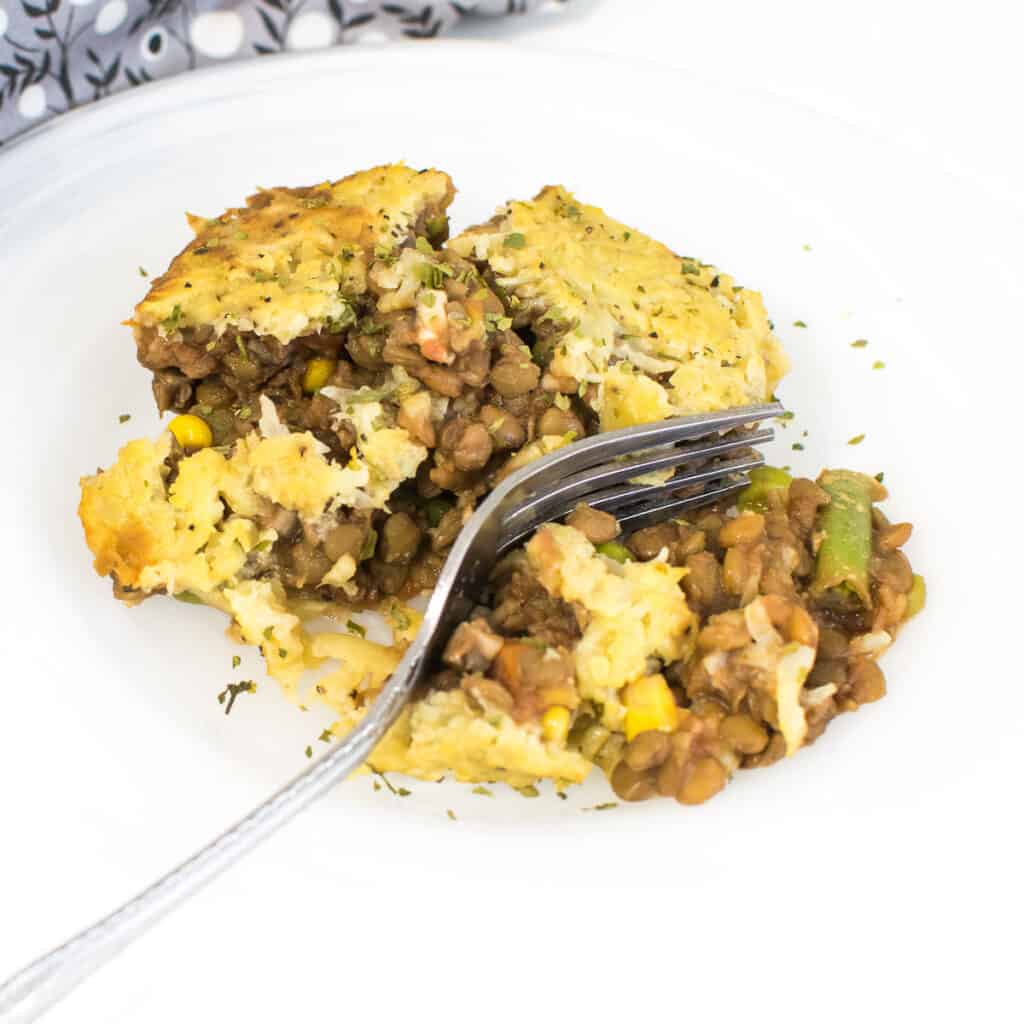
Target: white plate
[856,869]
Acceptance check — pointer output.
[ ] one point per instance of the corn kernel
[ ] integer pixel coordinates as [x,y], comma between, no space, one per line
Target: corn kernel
[555,724]
[649,705]
[916,597]
[318,373]
[191,432]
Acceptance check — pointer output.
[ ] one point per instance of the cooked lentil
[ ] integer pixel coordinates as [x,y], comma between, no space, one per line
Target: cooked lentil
[340,418]
[752,590]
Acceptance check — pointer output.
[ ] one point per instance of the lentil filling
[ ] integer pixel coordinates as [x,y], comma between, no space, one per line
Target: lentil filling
[753,579]
[473,415]
[348,384]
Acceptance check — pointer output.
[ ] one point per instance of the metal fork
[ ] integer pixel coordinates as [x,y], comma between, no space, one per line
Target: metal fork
[714,451]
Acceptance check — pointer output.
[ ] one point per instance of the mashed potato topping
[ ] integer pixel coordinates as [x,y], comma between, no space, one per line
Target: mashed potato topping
[614,305]
[199,533]
[636,612]
[179,536]
[445,732]
[293,259]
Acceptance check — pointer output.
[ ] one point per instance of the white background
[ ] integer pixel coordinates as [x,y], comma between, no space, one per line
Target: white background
[904,900]
[943,77]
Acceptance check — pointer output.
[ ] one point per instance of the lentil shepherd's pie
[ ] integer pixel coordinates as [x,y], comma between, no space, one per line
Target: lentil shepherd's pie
[348,383]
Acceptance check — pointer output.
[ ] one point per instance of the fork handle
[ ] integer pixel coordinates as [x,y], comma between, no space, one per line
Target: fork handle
[30,992]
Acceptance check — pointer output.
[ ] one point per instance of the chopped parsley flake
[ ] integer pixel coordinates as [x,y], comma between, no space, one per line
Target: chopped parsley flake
[432,275]
[857,439]
[878,365]
[326,736]
[230,693]
[395,791]
[690,266]
[451,814]
[171,322]
[496,322]
[799,323]
[602,807]
[516,240]
[354,627]
[124,417]
[143,272]
[344,319]
[797,446]
[859,343]
[880,477]
[235,661]
[482,791]
[399,617]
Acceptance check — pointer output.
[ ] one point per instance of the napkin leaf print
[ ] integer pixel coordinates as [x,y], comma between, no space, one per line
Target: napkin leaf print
[58,54]
[338,14]
[417,24]
[33,64]
[102,77]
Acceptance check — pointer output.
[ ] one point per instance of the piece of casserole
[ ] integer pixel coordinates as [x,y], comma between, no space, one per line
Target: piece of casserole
[348,388]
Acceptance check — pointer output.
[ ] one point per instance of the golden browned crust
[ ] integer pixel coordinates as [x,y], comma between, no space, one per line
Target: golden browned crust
[292,259]
[619,308]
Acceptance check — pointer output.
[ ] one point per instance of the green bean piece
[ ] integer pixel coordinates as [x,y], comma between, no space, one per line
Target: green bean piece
[763,480]
[435,509]
[917,597]
[613,549]
[845,526]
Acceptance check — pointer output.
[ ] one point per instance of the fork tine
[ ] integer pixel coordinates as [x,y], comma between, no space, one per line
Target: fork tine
[604,448]
[659,511]
[482,538]
[620,500]
[636,502]
[559,500]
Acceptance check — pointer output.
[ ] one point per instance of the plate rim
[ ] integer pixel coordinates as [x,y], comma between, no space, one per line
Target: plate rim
[353,57]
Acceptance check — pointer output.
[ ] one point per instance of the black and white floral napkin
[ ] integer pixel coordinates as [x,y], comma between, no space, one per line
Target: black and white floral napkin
[59,54]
